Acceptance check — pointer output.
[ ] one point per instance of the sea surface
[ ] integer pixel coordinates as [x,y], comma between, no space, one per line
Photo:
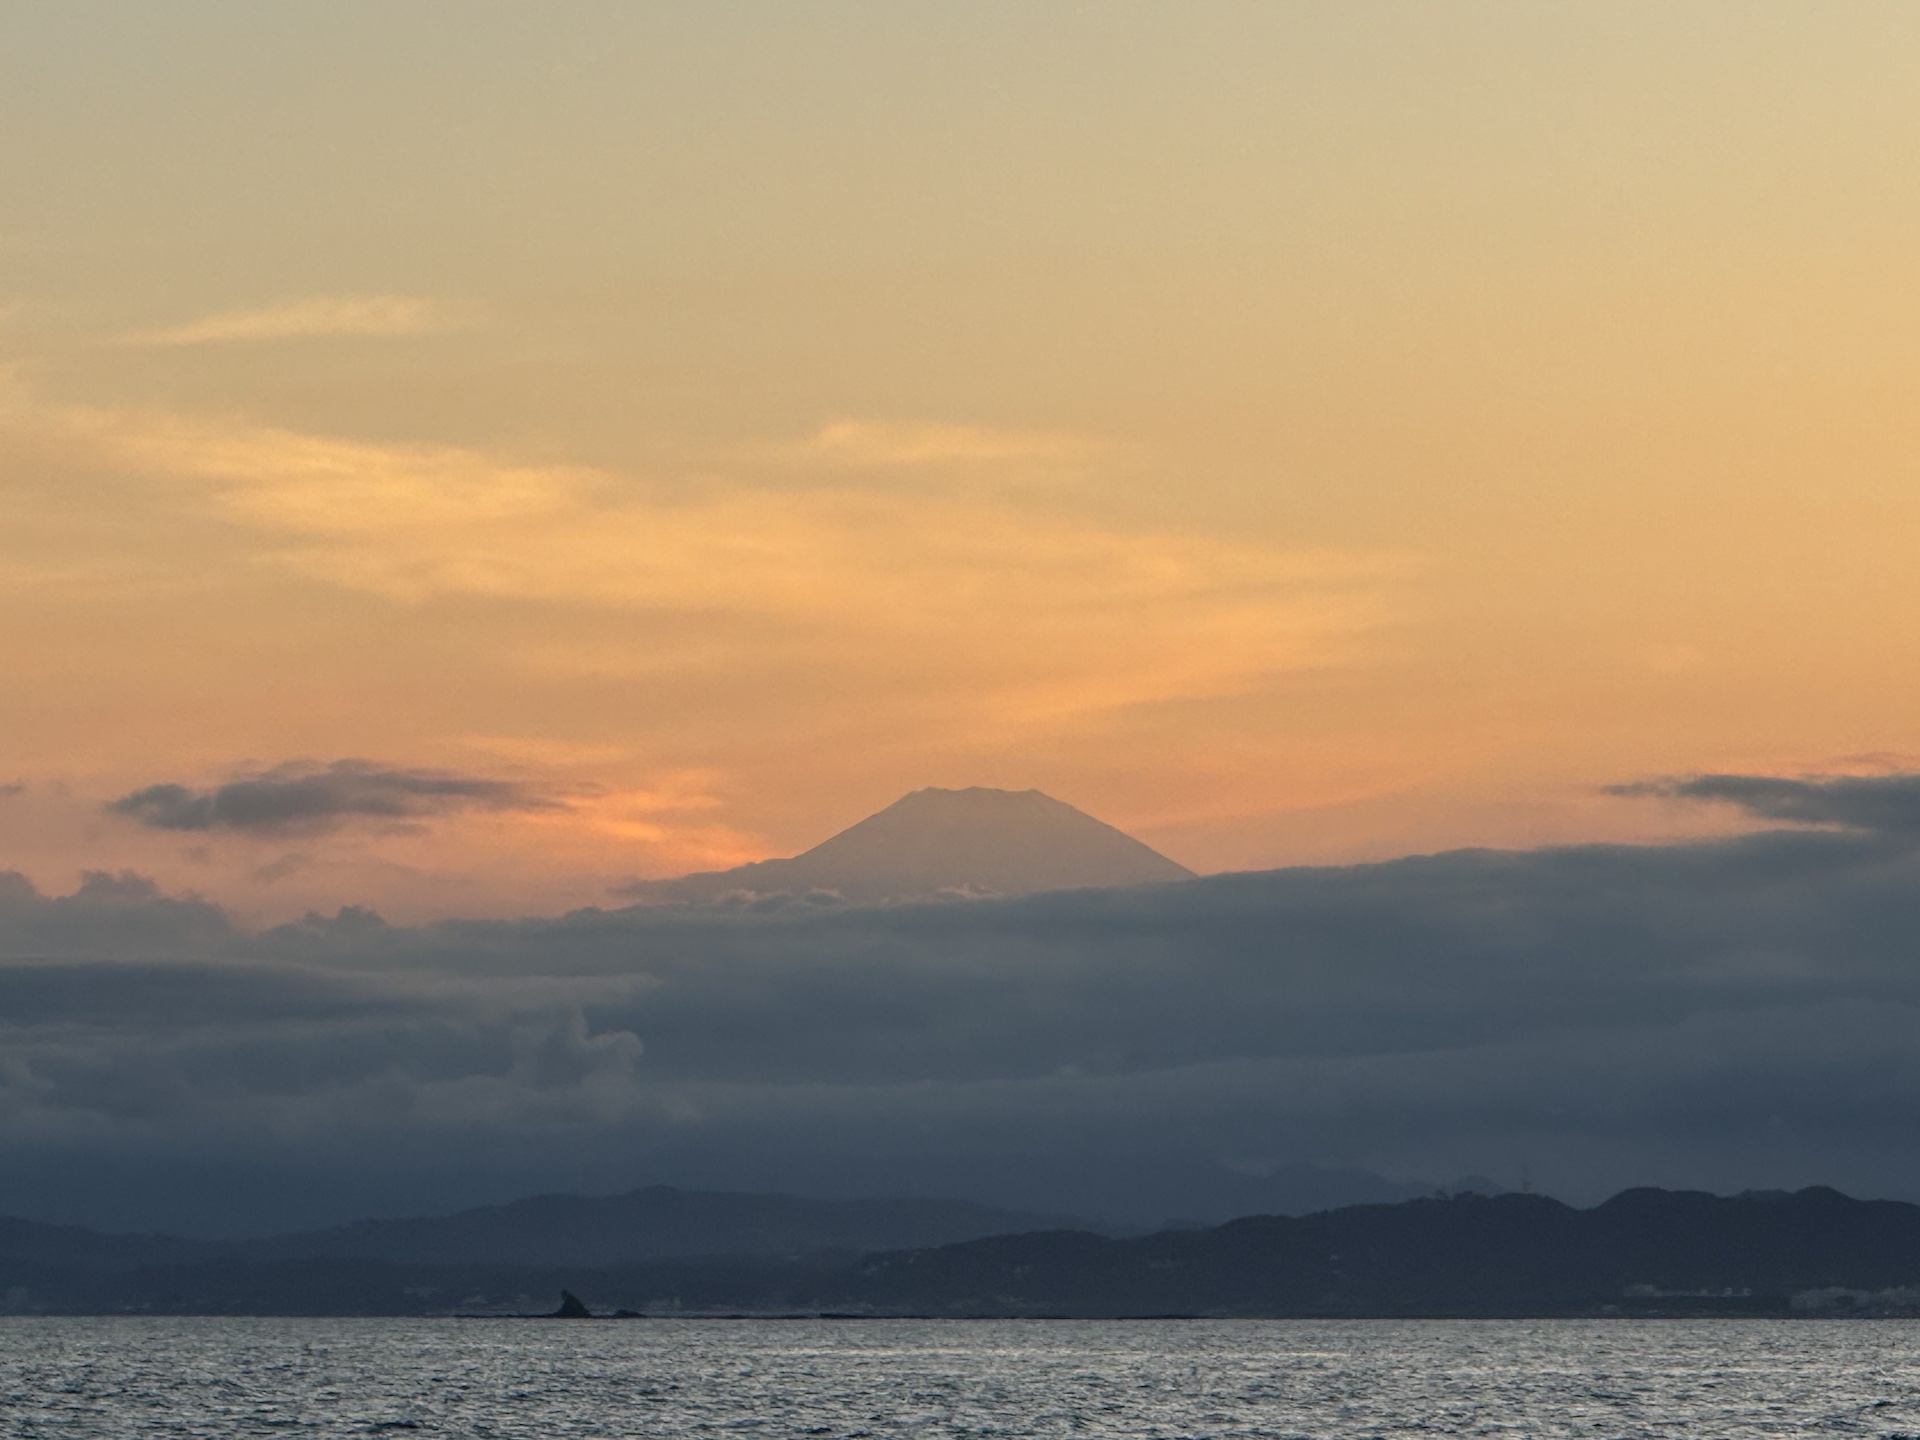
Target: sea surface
[130,1378]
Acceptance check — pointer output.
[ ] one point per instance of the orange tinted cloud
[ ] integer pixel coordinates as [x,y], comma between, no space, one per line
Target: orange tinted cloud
[388,316]
[1040,615]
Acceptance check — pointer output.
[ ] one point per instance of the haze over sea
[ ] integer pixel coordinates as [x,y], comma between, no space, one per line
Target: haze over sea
[122,1377]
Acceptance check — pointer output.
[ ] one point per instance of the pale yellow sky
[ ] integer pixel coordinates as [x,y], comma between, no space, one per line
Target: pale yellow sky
[1290,432]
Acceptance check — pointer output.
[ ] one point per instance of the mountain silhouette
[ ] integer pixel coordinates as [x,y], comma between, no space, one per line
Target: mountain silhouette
[1645,1252]
[655,1223]
[936,844]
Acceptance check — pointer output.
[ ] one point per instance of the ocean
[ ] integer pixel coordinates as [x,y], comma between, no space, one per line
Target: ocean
[140,1377]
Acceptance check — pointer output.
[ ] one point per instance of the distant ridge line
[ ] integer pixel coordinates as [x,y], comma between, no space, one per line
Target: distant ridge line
[1645,1252]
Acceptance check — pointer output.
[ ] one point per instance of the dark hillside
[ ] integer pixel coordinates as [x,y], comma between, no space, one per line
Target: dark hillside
[658,1222]
[1644,1251]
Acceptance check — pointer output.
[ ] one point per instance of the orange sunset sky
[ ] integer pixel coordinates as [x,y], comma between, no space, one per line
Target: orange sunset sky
[1290,432]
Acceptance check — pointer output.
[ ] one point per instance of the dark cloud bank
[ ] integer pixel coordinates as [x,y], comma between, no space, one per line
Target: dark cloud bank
[1889,803]
[307,797]
[1738,1013]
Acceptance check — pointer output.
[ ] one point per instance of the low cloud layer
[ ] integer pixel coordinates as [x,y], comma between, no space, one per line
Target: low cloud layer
[302,797]
[1741,1012]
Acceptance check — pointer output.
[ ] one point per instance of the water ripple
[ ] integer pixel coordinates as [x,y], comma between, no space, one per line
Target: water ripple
[868,1380]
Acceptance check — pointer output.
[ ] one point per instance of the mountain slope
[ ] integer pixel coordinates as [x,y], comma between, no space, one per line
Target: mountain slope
[29,1243]
[655,1223]
[935,843]
[1644,1252]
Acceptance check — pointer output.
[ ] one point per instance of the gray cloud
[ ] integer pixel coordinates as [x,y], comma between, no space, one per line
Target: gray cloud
[12,788]
[108,915]
[299,796]
[1734,1013]
[1888,804]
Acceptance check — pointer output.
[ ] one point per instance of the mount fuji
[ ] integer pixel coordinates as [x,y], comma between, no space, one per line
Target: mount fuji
[939,844]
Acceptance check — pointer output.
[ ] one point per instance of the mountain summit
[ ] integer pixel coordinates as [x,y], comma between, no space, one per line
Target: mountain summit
[936,843]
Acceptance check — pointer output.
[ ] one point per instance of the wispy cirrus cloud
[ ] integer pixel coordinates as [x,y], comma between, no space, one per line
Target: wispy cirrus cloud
[1033,614]
[893,443]
[316,317]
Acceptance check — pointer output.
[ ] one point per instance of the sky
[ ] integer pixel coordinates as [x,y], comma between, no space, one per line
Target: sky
[1446,474]
[1290,432]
